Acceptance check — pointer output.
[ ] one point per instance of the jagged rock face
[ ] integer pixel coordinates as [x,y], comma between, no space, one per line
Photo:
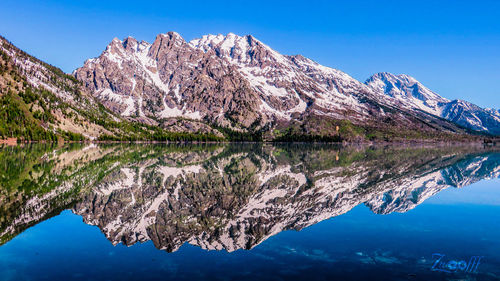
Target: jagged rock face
[412,94]
[287,85]
[235,200]
[407,90]
[472,116]
[236,82]
[169,79]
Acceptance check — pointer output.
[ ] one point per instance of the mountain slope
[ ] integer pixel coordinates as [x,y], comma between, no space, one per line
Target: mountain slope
[41,102]
[150,82]
[237,82]
[412,94]
[472,116]
[215,87]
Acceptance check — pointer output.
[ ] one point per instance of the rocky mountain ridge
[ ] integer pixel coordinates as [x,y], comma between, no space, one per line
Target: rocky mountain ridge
[39,102]
[220,87]
[240,83]
[412,94]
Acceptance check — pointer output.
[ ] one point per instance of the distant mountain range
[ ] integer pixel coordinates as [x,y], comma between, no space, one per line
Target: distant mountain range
[223,87]
[412,94]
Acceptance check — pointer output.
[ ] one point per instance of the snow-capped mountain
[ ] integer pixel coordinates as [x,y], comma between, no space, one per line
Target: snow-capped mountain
[223,70]
[472,116]
[222,87]
[286,84]
[240,83]
[408,91]
[412,94]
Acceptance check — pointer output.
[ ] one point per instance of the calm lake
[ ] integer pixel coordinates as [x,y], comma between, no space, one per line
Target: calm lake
[249,212]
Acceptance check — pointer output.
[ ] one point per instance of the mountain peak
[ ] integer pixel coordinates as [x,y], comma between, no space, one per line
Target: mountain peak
[222,78]
[390,76]
[170,34]
[411,93]
[130,43]
[115,43]
[406,89]
[241,50]
[224,43]
[170,37]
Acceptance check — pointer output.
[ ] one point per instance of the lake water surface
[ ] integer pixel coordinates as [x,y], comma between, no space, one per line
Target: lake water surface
[249,212]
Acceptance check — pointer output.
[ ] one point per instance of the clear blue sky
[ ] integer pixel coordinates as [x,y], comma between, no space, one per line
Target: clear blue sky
[453,47]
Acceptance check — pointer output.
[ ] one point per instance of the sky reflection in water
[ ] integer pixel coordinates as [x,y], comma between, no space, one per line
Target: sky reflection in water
[361,213]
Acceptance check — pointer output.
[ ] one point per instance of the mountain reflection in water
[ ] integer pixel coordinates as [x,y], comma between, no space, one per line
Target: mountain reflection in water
[222,196]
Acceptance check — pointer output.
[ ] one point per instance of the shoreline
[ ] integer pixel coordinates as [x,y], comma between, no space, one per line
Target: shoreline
[493,143]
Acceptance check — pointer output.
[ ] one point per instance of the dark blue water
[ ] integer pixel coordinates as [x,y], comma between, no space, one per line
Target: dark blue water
[455,225]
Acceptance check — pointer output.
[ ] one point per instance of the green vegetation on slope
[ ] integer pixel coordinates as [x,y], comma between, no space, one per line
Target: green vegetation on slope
[19,122]
[36,114]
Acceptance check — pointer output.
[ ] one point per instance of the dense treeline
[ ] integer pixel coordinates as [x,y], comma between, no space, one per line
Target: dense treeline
[307,138]
[232,135]
[164,136]
[70,136]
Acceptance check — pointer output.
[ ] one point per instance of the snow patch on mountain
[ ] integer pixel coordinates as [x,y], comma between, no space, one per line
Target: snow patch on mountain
[407,90]
[275,75]
[412,94]
[239,82]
